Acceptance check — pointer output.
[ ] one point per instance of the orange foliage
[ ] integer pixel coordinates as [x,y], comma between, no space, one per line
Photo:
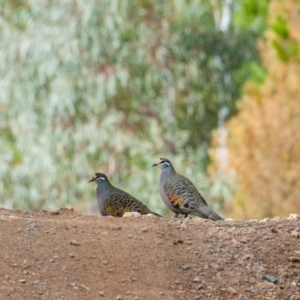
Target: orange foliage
[264,138]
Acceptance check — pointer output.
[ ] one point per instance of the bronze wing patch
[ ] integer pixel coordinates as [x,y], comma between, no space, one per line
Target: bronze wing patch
[116,211]
[176,200]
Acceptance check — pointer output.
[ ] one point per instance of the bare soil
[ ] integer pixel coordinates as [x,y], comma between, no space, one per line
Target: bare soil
[66,255]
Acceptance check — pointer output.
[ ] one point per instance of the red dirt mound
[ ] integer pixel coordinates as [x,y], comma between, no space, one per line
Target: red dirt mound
[65,255]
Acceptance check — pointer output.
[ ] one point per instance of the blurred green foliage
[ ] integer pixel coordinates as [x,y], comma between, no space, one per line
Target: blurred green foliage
[264,138]
[285,46]
[111,86]
[252,14]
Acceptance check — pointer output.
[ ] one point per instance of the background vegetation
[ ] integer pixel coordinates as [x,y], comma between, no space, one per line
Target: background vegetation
[264,138]
[112,85]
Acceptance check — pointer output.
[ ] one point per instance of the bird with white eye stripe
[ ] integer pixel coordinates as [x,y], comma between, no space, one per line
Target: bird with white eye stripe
[116,202]
[180,195]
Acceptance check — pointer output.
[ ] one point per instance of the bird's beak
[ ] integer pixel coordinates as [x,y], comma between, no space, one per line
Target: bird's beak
[93,179]
[157,163]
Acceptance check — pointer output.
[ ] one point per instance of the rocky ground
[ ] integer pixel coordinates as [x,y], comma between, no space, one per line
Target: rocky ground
[65,255]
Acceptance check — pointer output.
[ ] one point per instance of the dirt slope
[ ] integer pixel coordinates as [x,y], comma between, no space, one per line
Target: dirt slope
[65,255]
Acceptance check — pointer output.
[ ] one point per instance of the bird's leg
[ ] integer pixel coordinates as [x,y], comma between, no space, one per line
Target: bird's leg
[185,215]
[176,215]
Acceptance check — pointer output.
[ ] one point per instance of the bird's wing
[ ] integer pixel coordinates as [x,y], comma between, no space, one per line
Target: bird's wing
[202,199]
[181,193]
[120,202]
[184,196]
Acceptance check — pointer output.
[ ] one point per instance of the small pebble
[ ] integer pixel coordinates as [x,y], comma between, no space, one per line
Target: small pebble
[293,274]
[85,287]
[184,266]
[293,216]
[133,214]
[183,226]
[294,259]
[295,234]
[176,221]
[74,243]
[265,220]
[176,242]
[265,285]
[270,278]
[116,227]
[232,290]
[200,287]
[246,256]
[199,220]
[151,216]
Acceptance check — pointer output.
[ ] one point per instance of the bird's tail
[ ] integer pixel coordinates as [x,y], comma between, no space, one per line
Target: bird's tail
[215,217]
[207,213]
[155,214]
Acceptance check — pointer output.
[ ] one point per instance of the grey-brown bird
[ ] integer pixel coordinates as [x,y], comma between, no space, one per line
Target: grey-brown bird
[180,195]
[115,202]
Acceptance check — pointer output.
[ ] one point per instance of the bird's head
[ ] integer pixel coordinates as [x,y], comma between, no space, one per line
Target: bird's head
[99,177]
[163,163]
